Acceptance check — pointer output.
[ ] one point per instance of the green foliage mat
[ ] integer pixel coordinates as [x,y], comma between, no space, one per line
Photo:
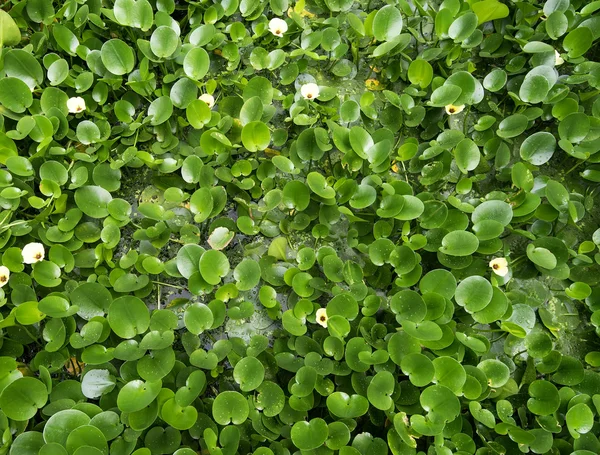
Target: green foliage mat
[272,227]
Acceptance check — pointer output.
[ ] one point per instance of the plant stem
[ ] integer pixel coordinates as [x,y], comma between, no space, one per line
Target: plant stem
[574,167]
[30,335]
[169,285]
[519,353]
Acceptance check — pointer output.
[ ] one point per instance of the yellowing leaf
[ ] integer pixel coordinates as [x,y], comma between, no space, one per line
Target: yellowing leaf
[373,84]
[299,7]
[10,34]
[278,248]
[272,152]
[74,367]
[302,13]
[489,10]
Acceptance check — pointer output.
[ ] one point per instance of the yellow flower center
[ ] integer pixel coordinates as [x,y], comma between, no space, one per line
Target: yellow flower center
[323,318]
[496,266]
[3,279]
[452,110]
[38,256]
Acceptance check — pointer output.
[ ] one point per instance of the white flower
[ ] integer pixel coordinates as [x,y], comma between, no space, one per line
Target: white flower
[451,109]
[208,99]
[558,60]
[76,105]
[310,91]
[499,266]
[278,26]
[33,252]
[322,317]
[4,274]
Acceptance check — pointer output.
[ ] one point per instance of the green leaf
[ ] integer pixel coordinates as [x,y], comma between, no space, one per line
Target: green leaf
[387,23]
[349,111]
[47,274]
[128,316]
[261,87]
[88,132]
[496,371]
[459,243]
[65,38]
[474,293]
[467,155]
[164,41]
[256,136]
[252,111]
[578,41]
[137,394]
[463,27]
[347,406]
[309,435]
[580,419]
[545,399]
[574,127]
[160,110]
[134,13]
[498,211]
[380,390]
[440,403]
[202,204]
[196,63]
[15,95]
[484,416]
[61,424]
[420,72]
[28,443]
[495,80]
[179,417]
[117,57]
[247,274]
[444,95]
[319,186]
[557,24]
[183,93]
[538,148]
[21,399]
[93,201]
[229,407]
[364,197]
[198,318]
[213,265]
[249,373]
[408,306]
[537,47]
[419,368]
[22,65]
[557,195]
[541,256]
[512,126]
[534,89]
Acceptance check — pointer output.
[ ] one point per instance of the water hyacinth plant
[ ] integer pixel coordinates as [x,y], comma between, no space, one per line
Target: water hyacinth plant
[299,227]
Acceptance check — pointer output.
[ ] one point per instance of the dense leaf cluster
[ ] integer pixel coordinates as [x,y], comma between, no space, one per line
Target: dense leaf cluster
[322,226]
